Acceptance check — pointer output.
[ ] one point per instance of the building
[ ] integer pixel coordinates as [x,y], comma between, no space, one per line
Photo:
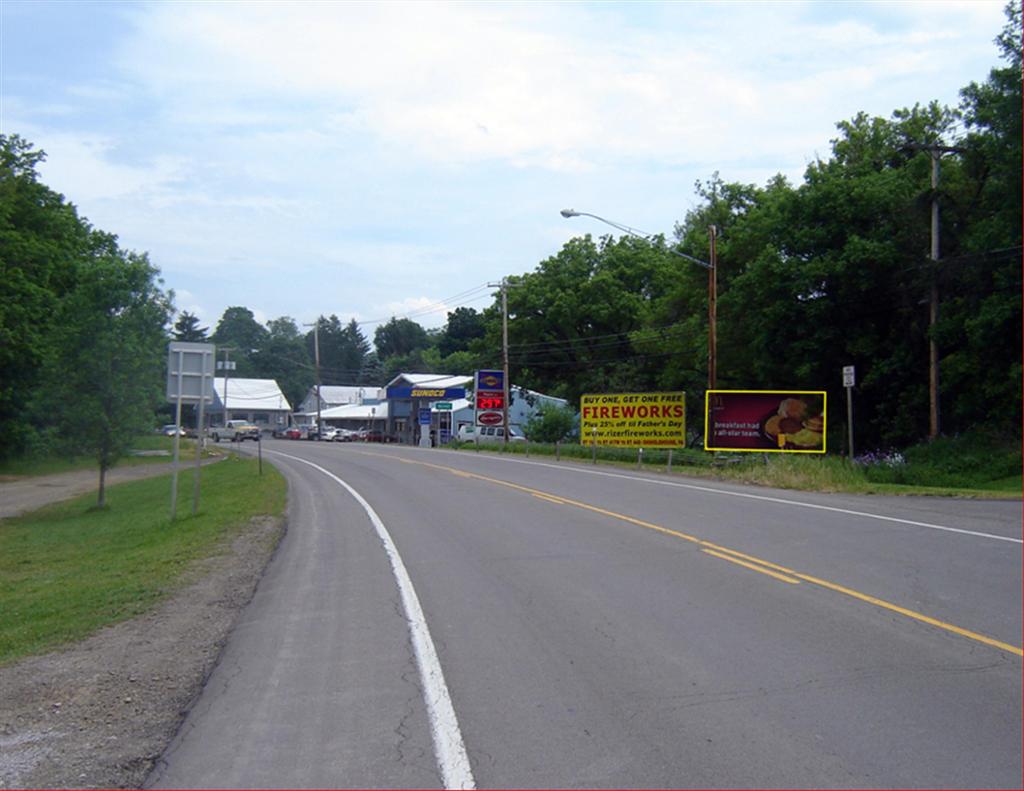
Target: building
[410,395]
[260,401]
[450,406]
[338,395]
[361,406]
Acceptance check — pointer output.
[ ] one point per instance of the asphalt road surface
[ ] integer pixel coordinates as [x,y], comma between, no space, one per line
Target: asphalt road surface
[459,619]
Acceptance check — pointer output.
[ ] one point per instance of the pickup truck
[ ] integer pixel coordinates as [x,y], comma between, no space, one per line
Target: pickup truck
[235,431]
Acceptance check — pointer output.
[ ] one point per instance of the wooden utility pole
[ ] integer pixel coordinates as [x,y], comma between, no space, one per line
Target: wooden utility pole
[504,354]
[935,151]
[713,309]
[933,303]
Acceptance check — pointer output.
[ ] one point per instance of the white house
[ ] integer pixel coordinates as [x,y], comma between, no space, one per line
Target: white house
[260,401]
[338,395]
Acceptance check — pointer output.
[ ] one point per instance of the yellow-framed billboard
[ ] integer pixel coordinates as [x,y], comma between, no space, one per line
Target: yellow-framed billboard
[633,420]
[765,421]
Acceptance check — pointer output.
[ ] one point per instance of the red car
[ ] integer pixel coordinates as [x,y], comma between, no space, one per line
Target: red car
[293,433]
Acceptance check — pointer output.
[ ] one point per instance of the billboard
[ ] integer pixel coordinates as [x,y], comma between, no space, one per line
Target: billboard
[765,421]
[633,420]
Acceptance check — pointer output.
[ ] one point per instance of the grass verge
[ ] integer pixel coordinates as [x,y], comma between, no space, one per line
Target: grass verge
[53,465]
[69,569]
[969,466]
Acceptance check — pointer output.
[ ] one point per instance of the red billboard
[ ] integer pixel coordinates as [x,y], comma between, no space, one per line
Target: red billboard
[765,421]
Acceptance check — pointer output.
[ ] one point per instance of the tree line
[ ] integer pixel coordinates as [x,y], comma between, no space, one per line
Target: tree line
[832,271]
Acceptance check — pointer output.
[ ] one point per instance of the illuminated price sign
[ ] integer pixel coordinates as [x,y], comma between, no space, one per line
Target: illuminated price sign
[490,400]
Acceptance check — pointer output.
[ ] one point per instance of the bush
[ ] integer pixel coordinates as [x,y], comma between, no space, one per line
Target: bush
[553,424]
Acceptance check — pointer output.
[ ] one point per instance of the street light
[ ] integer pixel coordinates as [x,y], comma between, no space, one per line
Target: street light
[712,268]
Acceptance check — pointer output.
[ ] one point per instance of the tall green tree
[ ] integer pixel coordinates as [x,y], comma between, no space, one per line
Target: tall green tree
[464,326]
[187,329]
[104,377]
[42,241]
[284,358]
[239,330]
[399,337]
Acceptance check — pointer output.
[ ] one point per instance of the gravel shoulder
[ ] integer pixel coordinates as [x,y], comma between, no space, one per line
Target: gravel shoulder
[99,713]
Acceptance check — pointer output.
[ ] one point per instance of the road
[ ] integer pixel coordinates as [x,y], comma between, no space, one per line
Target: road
[595,627]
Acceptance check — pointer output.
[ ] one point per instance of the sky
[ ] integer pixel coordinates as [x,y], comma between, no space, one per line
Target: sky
[371,160]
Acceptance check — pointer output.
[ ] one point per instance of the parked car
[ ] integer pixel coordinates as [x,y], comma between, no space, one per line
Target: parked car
[379,436]
[293,432]
[171,429]
[330,434]
[489,434]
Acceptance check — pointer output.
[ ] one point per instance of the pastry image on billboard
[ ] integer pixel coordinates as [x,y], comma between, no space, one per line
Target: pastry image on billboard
[765,420]
[798,424]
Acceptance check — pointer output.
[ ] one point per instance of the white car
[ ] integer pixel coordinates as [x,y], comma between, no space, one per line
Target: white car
[332,435]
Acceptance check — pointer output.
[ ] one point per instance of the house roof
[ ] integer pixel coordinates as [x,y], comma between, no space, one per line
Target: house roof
[355,412]
[250,394]
[434,380]
[346,394]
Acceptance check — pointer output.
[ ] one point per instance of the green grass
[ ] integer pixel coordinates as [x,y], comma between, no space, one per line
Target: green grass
[68,570]
[57,464]
[974,465]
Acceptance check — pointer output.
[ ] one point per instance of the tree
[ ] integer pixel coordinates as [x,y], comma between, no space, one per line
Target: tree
[104,378]
[187,329]
[283,358]
[42,240]
[399,337]
[463,327]
[239,330]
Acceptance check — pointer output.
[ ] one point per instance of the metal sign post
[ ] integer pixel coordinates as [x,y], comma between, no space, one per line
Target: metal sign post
[849,380]
[189,378]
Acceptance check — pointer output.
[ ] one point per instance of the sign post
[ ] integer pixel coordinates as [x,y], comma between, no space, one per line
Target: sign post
[190,369]
[849,380]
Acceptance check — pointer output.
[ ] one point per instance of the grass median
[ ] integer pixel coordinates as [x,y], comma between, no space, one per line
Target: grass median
[69,569]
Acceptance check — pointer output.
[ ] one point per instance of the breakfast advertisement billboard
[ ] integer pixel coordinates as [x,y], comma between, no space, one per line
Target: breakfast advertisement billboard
[765,421]
[633,420]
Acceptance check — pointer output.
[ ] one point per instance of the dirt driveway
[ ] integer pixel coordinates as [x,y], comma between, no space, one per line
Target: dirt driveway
[99,713]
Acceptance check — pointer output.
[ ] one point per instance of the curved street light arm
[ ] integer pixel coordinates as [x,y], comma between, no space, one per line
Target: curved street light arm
[567,213]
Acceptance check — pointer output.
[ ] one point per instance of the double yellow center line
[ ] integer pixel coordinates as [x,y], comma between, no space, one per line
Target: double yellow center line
[766,567]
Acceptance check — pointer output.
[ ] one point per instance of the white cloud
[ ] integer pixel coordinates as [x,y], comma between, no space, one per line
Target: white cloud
[464,83]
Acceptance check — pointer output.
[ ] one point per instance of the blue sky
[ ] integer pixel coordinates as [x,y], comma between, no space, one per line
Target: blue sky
[379,159]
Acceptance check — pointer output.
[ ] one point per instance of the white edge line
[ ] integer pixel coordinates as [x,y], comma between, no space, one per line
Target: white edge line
[766,499]
[449,749]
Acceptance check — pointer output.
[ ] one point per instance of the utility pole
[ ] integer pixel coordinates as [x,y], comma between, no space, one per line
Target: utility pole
[503,285]
[713,308]
[316,355]
[935,151]
[933,306]
[226,365]
[504,352]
